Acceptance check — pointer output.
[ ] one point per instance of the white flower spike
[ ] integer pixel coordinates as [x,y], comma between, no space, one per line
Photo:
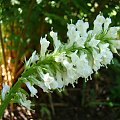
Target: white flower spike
[31,88]
[44,45]
[57,42]
[85,52]
[49,81]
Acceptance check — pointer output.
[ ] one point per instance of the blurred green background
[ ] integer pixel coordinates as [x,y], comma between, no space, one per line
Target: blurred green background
[23,22]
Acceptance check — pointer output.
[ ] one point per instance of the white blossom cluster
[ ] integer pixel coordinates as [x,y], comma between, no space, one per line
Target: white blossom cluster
[85,52]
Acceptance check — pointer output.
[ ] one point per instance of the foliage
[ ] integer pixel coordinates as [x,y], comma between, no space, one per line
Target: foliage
[23,24]
[84,53]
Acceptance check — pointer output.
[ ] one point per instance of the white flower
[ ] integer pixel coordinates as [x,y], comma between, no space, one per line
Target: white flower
[70,75]
[49,81]
[84,70]
[13,2]
[39,83]
[72,34]
[57,42]
[107,23]
[113,49]
[81,63]
[42,85]
[99,19]
[96,60]
[115,43]
[93,42]
[59,79]
[31,88]
[71,27]
[79,57]
[24,101]
[106,54]
[38,1]
[106,59]
[32,59]
[44,45]
[5,89]
[98,24]
[82,27]
[81,41]
[103,48]
[112,32]
[74,57]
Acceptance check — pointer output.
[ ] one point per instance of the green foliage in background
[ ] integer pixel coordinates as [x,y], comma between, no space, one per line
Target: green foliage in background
[23,24]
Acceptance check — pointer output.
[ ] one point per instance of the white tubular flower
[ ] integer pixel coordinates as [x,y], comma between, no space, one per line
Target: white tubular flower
[107,58]
[115,43]
[99,19]
[75,59]
[112,32]
[31,88]
[71,27]
[44,45]
[49,81]
[113,49]
[26,103]
[103,48]
[32,59]
[82,27]
[106,54]
[72,34]
[107,23]
[23,101]
[84,70]
[93,42]
[81,41]
[42,85]
[38,82]
[13,2]
[71,74]
[96,60]
[57,42]
[67,79]
[5,89]
[98,24]
[59,79]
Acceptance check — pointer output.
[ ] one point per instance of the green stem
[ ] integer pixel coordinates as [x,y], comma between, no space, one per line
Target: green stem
[9,96]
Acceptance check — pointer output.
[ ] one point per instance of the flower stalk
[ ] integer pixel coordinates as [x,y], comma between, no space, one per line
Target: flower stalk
[85,52]
[9,96]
